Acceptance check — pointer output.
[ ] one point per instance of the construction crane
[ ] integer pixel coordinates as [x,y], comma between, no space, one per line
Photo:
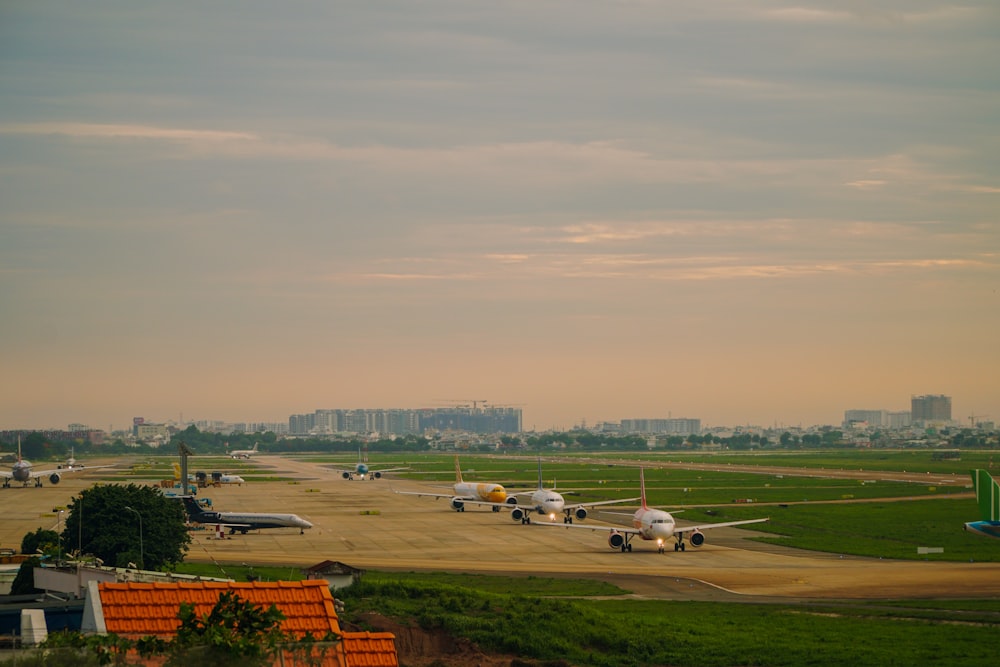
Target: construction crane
[973,419]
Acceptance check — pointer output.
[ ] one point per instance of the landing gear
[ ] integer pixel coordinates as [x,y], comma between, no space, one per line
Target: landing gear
[525,519]
[679,546]
[568,519]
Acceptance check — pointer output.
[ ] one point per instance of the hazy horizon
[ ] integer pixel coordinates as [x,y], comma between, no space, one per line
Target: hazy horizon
[760,212]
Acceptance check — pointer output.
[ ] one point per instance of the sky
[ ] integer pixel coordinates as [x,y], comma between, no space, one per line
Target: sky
[745,212]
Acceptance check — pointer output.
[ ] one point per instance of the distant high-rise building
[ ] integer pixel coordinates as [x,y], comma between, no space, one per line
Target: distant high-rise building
[668,426]
[901,419]
[876,419]
[930,408]
[484,420]
[872,418]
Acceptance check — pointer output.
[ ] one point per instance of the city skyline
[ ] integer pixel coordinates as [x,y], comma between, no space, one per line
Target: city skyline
[745,213]
[874,417]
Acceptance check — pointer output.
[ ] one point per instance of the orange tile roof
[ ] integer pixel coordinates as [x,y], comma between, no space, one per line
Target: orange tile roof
[135,609]
[369,649]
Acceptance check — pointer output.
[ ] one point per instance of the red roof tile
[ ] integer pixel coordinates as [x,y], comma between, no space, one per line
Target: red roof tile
[137,609]
[369,649]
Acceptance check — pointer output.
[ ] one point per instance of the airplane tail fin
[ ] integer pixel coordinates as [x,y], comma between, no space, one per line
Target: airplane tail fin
[254,450]
[18,449]
[191,507]
[458,471]
[177,470]
[540,487]
[987,494]
[642,488]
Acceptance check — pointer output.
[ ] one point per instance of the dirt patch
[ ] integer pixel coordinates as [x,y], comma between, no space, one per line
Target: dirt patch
[417,647]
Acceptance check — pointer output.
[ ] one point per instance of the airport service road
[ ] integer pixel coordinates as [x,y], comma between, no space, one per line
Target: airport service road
[366,525]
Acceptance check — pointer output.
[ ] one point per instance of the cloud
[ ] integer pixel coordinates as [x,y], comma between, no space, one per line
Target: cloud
[122,131]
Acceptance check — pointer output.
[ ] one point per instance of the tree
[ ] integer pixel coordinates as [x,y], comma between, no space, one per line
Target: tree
[100,525]
[236,631]
[24,581]
[45,541]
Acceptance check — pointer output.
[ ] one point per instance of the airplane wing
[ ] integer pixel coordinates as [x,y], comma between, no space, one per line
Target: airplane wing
[221,523]
[429,495]
[590,526]
[635,531]
[602,502]
[386,470]
[706,526]
[58,471]
[465,500]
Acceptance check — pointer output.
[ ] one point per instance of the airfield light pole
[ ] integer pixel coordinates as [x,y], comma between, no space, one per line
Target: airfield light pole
[142,555]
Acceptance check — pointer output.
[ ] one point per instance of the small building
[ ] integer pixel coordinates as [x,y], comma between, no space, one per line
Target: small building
[335,573]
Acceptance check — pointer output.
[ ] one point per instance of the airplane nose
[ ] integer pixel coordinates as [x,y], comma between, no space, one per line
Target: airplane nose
[496,496]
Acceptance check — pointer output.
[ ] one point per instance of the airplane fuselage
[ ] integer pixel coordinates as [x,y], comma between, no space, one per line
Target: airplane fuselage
[257,520]
[253,521]
[491,493]
[547,502]
[653,524]
[21,472]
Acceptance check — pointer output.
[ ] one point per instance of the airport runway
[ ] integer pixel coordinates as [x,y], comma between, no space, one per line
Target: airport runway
[365,525]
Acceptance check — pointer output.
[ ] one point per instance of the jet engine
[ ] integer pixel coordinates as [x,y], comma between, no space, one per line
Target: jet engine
[376,475]
[457,505]
[580,513]
[518,514]
[697,538]
[616,540]
[54,478]
[345,475]
[511,500]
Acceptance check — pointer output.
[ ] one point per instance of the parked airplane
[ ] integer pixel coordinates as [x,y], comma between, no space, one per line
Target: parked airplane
[658,525]
[988,497]
[547,501]
[243,521]
[22,471]
[228,479]
[362,472]
[475,493]
[243,453]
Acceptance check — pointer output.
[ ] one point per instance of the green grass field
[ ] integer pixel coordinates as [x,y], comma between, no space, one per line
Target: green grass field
[639,632]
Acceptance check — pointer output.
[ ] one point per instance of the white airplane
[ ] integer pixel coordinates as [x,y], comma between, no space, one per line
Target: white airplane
[22,471]
[243,521]
[547,501]
[231,479]
[656,525]
[475,493]
[71,463]
[362,472]
[243,453]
